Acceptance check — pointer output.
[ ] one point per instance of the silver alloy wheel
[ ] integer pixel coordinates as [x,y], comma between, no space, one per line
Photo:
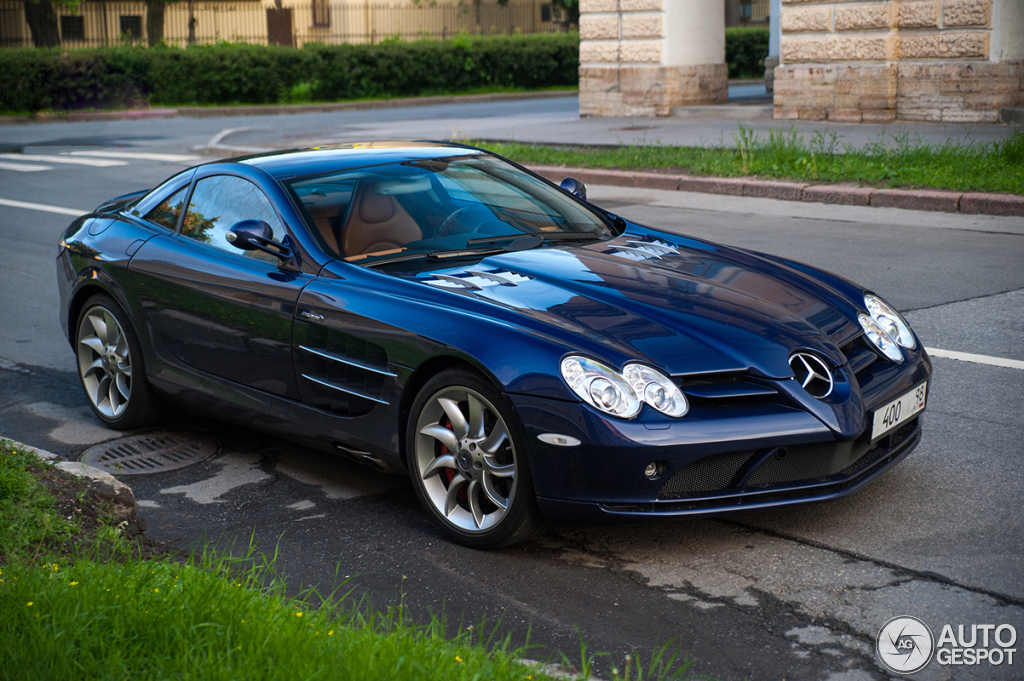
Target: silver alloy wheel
[104,362]
[465,459]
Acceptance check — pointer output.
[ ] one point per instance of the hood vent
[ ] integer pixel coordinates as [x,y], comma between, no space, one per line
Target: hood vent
[634,249]
[475,280]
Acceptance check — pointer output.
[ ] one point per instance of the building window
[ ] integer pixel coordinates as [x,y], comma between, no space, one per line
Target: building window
[545,12]
[72,28]
[746,10]
[321,14]
[131,25]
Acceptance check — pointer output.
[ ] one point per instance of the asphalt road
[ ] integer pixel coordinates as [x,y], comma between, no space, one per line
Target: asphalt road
[795,594]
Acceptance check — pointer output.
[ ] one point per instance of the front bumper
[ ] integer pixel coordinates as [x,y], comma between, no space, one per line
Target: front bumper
[891,450]
[748,455]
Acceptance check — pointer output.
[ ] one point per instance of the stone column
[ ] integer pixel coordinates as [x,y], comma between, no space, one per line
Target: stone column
[919,60]
[644,57]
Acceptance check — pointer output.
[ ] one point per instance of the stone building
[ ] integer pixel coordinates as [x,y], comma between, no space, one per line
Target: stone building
[842,60]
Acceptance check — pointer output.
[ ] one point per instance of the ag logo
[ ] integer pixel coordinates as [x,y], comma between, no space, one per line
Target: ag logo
[905,645]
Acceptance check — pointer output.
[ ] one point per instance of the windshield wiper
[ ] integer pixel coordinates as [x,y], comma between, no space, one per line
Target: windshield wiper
[521,243]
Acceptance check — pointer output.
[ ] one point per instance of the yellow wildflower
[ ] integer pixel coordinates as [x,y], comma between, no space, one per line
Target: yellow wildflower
[458,659]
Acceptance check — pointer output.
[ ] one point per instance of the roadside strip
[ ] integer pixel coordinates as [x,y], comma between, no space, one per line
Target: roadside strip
[278,109]
[841,195]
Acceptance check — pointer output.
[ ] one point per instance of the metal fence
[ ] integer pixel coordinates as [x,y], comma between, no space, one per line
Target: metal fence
[98,22]
[747,12]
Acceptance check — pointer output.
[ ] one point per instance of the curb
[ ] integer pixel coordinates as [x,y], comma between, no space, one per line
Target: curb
[975,203]
[280,109]
[105,485]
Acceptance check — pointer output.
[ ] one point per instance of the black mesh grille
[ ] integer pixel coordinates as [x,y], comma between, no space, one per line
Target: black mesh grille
[806,462]
[710,474]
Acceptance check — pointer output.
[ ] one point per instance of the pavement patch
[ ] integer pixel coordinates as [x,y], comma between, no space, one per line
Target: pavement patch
[76,426]
[236,470]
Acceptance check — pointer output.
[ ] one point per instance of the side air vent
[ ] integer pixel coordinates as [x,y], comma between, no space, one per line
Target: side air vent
[476,280]
[636,249]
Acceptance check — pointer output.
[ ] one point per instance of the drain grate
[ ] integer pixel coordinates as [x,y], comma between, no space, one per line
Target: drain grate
[152,453]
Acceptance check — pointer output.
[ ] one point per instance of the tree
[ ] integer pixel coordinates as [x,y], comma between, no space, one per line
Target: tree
[42,22]
[154,22]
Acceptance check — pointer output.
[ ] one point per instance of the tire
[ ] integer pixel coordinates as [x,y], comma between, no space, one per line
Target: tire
[111,369]
[467,459]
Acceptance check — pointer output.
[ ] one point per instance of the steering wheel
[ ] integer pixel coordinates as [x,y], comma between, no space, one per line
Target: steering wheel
[444,229]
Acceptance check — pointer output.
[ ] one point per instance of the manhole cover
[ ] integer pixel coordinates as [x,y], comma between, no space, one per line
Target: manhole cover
[153,453]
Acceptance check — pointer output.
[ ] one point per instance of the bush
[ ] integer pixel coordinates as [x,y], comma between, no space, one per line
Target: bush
[745,51]
[36,79]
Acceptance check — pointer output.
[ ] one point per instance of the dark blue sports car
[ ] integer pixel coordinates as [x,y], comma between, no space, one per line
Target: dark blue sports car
[523,354]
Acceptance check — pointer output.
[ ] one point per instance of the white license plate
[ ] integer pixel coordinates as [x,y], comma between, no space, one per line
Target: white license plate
[899,411]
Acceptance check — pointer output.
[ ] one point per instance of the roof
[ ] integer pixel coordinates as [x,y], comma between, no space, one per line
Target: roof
[316,160]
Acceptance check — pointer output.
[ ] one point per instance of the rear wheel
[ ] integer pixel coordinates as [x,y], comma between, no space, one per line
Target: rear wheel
[468,462]
[110,367]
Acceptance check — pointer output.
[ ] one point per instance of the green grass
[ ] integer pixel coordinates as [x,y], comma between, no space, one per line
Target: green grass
[29,522]
[890,161]
[70,611]
[145,619]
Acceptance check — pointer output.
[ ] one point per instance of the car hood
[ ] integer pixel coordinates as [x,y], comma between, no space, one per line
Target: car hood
[688,306]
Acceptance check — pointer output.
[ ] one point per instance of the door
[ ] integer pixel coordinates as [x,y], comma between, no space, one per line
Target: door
[216,308]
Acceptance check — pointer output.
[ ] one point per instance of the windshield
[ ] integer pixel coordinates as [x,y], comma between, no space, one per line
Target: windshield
[444,205]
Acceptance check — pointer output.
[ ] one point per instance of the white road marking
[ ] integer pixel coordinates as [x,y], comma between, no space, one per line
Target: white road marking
[23,167]
[142,156]
[977,359]
[53,158]
[43,207]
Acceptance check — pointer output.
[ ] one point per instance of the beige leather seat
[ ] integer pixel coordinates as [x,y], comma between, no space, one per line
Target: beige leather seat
[325,217]
[376,223]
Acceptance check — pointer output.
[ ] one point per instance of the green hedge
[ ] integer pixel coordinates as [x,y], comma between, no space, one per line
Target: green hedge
[745,51]
[37,79]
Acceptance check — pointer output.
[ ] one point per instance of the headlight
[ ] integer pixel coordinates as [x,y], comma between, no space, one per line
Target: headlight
[600,387]
[881,340]
[890,320]
[622,394]
[656,389]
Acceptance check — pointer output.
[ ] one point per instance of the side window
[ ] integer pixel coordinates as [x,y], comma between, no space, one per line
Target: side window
[167,212]
[218,203]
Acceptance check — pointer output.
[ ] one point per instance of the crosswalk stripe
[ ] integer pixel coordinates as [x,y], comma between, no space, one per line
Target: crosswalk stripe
[142,156]
[46,158]
[23,167]
[43,207]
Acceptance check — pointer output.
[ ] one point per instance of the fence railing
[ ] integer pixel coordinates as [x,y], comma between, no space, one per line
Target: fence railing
[98,22]
[747,12]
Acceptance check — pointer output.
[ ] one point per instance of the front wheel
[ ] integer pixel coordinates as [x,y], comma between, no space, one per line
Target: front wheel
[468,464]
[110,367]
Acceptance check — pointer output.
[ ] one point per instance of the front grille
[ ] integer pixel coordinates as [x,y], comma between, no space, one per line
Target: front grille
[806,462]
[819,462]
[710,474]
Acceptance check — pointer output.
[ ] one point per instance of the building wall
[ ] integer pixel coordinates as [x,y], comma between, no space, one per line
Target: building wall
[922,60]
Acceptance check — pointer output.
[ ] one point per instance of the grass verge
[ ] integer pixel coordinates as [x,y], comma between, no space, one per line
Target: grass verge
[891,161]
[82,599]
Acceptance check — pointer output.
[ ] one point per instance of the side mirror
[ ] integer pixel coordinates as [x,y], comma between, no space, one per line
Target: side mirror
[574,187]
[256,235]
